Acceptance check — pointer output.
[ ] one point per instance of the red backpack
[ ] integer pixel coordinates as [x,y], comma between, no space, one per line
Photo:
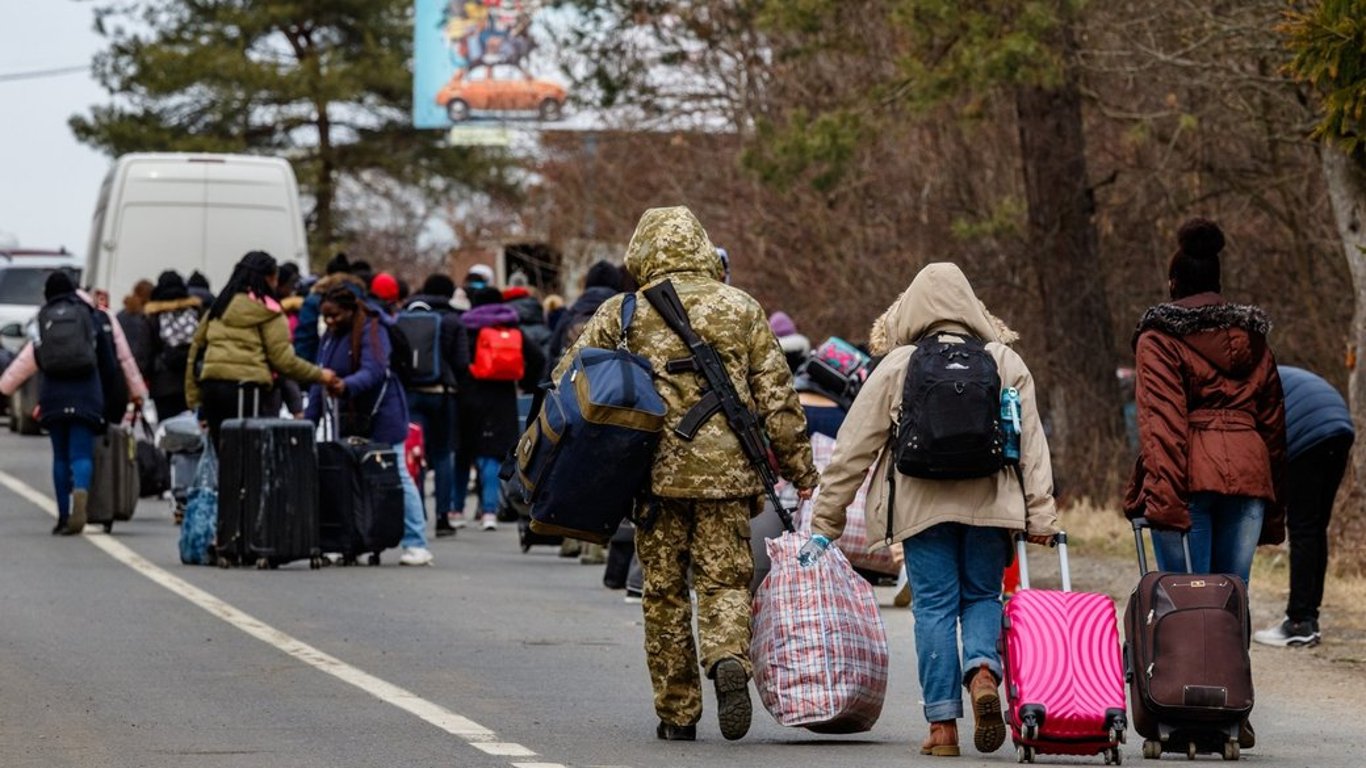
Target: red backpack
[498,355]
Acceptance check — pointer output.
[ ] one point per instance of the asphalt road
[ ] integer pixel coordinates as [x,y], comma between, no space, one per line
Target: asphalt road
[490,658]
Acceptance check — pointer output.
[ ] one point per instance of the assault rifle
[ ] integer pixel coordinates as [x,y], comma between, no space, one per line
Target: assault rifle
[718,395]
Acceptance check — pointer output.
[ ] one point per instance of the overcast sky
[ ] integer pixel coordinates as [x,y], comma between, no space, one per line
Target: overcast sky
[48,180]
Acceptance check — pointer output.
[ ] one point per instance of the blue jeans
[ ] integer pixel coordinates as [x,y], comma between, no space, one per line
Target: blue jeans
[73,461]
[435,413]
[414,516]
[1223,536]
[955,573]
[488,467]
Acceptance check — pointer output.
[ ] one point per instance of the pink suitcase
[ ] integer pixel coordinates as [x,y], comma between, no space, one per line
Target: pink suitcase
[1063,671]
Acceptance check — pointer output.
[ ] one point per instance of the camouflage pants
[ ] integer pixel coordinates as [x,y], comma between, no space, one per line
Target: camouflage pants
[711,536]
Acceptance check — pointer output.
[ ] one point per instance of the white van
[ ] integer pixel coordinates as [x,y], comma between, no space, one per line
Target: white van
[187,212]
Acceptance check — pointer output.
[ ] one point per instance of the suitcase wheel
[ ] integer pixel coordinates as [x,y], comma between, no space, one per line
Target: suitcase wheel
[109,526]
[1024,754]
[1113,756]
[315,563]
[262,564]
[1152,750]
[223,562]
[1230,750]
[373,559]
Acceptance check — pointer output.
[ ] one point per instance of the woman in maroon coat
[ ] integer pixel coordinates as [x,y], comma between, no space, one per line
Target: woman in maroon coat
[1211,422]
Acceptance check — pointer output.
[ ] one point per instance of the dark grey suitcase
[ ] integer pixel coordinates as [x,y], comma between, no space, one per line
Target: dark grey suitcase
[114,485]
[267,493]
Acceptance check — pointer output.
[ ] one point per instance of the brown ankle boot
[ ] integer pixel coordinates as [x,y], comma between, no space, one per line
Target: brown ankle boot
[943,740]
[990,731]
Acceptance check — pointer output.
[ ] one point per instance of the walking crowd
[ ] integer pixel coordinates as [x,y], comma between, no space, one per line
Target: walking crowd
[940,454]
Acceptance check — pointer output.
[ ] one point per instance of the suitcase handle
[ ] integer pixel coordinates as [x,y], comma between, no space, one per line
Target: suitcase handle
[1059,541]
[1142,522]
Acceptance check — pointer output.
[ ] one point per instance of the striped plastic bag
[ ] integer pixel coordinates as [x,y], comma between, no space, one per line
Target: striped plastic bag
[819,648]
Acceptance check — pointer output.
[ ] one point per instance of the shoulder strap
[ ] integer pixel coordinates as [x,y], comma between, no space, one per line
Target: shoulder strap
[628,314]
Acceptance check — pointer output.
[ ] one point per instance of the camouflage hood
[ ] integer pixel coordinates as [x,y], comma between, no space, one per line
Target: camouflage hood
[939,298]
[671,241]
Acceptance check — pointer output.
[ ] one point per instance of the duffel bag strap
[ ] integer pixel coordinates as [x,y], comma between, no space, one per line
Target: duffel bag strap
[628,313]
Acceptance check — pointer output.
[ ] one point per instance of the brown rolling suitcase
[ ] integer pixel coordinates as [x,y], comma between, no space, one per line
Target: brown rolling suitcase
[1186,652]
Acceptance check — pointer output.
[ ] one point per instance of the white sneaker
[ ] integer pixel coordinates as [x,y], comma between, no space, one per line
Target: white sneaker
[633,597]
[1289,634]
[457,519]
[902,597]
[416,556]
[489,522]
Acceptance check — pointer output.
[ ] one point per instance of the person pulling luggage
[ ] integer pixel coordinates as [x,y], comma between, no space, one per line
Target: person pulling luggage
[953,512]
[703,490]
[238,346]
[82,388]
[372,403]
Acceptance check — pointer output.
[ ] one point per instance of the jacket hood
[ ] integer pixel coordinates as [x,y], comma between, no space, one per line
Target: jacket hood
[175,305]
[671,241]
[592,298]
[1232,337]
[490,315]
[245,312]
[529,310]
[329,282]
[938,299]
[292,303]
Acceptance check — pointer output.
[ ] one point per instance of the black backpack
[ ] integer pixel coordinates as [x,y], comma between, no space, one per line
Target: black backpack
[66,339]
[421,327]
[950,416]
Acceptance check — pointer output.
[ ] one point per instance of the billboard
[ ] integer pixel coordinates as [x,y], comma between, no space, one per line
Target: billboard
[475,69]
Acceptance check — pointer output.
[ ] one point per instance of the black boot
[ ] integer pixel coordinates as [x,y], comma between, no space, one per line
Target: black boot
[669,732]
[733,708]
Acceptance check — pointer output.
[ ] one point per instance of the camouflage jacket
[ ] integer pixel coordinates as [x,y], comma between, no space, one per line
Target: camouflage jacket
[671,244]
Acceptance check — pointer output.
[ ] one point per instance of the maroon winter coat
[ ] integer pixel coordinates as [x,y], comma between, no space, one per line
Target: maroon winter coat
[1210,411]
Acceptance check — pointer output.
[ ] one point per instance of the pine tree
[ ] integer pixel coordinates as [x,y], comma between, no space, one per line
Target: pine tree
[324,83]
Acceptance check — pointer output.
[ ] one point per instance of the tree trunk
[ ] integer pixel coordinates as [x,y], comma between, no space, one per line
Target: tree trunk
[1081,398]
[1347,190]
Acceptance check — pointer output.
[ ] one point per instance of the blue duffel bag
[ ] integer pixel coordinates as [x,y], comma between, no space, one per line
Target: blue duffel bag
[587,457]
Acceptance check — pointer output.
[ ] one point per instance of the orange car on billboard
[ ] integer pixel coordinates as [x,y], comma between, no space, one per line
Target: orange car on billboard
[500,88]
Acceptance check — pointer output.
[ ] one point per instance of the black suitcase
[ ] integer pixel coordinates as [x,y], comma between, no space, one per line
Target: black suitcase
[268,493]
[1186,653]
[114,486]
[361,499]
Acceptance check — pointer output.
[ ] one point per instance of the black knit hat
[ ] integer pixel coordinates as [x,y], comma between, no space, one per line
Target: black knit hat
[59,283]
[338,264]
[439,284]
[1194,268]
[603,274]
[170,287]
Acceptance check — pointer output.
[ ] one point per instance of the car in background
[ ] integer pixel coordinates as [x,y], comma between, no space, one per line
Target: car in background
[500,88]
[22,275]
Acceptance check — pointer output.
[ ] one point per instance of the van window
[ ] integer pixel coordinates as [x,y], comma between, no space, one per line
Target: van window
[23,285]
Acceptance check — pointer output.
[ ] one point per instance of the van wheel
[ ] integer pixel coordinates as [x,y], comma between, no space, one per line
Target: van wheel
[551,110]
[458,110]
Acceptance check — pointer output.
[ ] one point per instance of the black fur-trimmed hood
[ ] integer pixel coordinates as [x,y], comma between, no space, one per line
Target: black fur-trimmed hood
[1232,337]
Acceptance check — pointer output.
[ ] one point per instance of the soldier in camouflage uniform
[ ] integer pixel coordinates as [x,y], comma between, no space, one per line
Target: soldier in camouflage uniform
[705,490]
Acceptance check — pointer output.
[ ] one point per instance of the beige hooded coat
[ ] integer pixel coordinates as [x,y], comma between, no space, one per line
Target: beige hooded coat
[938,300]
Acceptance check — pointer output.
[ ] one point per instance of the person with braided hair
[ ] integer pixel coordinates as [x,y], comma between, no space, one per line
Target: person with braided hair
[240,345]
[371,401]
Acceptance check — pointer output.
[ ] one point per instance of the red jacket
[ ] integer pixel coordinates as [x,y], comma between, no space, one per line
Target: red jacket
[1210,411]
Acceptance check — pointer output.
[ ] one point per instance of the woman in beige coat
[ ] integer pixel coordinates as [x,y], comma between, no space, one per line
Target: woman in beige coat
[956,533]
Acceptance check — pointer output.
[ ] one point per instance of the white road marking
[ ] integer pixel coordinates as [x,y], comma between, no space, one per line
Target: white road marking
[455,724]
